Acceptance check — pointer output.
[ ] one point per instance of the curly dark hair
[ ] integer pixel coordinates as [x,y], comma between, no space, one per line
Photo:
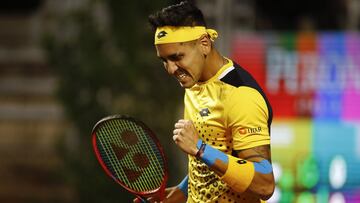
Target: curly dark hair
[184,13]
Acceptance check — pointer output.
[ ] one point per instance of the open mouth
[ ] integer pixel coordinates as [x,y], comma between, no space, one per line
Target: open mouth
[181,74]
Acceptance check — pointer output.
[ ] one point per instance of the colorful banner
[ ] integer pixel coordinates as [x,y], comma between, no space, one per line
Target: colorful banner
[312,75]
[313,83]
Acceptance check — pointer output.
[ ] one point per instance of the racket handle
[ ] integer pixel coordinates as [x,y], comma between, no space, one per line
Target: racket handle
[140,200]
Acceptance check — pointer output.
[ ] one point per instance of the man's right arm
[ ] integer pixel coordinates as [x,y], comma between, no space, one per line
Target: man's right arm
[178,193]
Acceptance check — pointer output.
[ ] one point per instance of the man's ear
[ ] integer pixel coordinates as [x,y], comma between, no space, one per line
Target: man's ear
[205,44]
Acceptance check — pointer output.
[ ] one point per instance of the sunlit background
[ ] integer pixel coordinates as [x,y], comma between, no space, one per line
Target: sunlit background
[64,64]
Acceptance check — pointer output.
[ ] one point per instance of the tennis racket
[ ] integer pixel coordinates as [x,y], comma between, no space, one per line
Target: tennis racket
[131,155]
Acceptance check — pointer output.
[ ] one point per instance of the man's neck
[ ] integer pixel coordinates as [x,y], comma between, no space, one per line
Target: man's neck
[214,62]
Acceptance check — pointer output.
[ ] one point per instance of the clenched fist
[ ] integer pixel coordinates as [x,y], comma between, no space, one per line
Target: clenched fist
[185,136]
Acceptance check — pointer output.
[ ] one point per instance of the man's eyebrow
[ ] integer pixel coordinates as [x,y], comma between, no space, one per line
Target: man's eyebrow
[175,55]
[171,56]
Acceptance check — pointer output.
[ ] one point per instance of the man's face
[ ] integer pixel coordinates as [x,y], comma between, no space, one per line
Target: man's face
[184,61]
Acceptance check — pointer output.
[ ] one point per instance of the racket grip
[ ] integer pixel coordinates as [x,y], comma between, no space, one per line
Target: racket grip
[140,200]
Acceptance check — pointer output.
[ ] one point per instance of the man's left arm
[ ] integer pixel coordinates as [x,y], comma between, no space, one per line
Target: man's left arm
[263,182]
[250,169]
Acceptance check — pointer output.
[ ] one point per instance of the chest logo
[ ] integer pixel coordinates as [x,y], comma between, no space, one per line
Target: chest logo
[204,112]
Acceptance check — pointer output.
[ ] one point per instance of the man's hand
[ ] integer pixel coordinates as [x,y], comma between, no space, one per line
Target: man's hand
[172,195]
[185,136]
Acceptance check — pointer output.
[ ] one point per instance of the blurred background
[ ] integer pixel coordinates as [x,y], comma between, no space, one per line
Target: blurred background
[64,64]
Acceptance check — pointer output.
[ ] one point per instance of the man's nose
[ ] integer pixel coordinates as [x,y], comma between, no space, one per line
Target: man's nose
[171,67]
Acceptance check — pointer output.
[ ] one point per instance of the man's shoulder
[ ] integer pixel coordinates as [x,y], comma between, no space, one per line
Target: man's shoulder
[239,76]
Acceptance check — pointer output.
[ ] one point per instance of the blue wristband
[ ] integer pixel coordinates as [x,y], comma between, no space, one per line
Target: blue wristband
[263,167]
[183,186]
[210,154]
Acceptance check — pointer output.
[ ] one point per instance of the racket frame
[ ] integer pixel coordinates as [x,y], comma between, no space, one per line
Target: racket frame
[158,192]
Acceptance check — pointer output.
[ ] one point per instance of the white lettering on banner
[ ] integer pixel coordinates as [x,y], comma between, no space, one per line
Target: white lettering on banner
[308,62]
[307,72]
[331,73]
[281,65]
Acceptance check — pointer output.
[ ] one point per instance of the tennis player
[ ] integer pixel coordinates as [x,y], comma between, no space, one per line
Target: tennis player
[227,117]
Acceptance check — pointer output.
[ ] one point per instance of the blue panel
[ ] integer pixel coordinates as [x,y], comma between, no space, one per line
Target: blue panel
[336,138]
[330,76]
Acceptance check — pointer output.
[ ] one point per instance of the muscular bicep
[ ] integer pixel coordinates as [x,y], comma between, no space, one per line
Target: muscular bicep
[255,154]
[263,182]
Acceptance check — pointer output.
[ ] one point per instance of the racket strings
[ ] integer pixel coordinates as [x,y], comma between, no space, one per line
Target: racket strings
[120,171]
[129,168]
[139,131]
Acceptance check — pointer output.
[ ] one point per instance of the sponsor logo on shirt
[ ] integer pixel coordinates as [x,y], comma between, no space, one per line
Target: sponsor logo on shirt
[250,130]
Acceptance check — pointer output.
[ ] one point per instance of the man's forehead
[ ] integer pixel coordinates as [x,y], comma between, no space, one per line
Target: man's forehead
[164,50]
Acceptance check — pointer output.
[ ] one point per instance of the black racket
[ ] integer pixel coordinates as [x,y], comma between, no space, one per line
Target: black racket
[130,154]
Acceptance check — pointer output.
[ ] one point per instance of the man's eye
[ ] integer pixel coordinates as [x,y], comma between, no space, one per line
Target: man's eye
[177,58]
